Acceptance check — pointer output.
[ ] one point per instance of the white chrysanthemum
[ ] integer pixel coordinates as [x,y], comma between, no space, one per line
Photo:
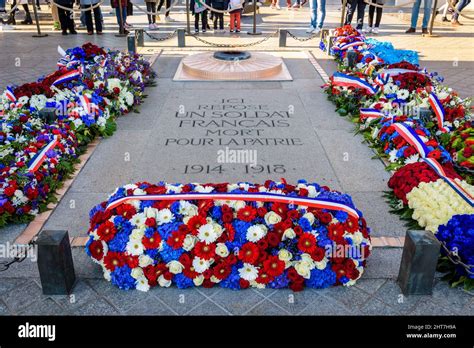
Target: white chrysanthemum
[198,280]
[164,216]
[256,232]
[248,272]
[138,219]
[135,247]
[206,233]
[403,94]
[203,189]
[200,265]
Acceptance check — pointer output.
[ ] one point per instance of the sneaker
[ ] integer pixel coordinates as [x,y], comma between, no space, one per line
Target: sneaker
[6,27]
[231,30]
[196,31]
[367,30]
[204,30]
[316,31]
[375,30]
[424,30]
[272,7]
[444,19]
[296,6]
[153,26]
[278,7]
[410,30]
[237,30]
[455,23]
[169,19]
[311,29]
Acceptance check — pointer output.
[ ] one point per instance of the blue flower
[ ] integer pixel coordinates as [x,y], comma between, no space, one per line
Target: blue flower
[119,242]
[122,278]
[304,224]
[233,280]
[182,281]
[320,279]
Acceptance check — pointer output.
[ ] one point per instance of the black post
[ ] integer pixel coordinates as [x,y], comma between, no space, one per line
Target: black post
[418,265]
[254,29]
[181,37]
[38,29]
[139,37]
[433,15]
[55,264]
[132,43]
[121,23]
[282,37]
[188,20]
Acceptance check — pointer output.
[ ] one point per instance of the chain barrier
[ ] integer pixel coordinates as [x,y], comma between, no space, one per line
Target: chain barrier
[389,6]
[7,13]
[170,36]
[234,45]
[456,10]
[302,39]
[79,9]
[454,258]
[157,13]
[5,265]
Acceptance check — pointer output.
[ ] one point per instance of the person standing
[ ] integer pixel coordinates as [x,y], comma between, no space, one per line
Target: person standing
[318,13]
[151,7]
[199,11]
[377,11]
[235,12]
[360,6]
[11,19]
[65,16]
[87,4]
[219,16]
[276,5]
[168,8]
[121,21]
[414,16]
[462,4]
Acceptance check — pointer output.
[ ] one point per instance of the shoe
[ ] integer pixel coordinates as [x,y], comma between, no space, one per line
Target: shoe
[158,18]
[272,7]
[64,32]
[152,26]
[237,30]
[100,33]
[444,19]
[278,7]
[231,30]
[367,30]
[90,33]
[303,2]
[204,30]
[410,30]
[169,19]
[196,31]
[317,31]
[127,26]
[73,32]
[455,23]
[27,20]
[296,6]
[375,30]
[311,29]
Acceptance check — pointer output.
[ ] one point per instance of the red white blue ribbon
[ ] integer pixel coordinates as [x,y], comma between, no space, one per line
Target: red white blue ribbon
[395,72]
[10,95]
[40,157]
[343,47]
[412,138]
[382,79]
[438,110]
[370,113]
[67,77]
[244,196]
[451,182]
[340,79]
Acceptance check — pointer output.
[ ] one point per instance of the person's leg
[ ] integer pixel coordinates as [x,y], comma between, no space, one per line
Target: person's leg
[321,13]
[63,20]
[378,18]
[98,19]
[238,17]
[160,5]
[221,21]
[371,14]
[232,21]
[69,19]
[196,21]
[426,13]
[2,5]
[350,11]
[459,8]
[313,8]
[415,11]
[124,15]
[153,9]
[88,19]
[204,20]
[148,9]
[360,13]
[28,19]
[168,5]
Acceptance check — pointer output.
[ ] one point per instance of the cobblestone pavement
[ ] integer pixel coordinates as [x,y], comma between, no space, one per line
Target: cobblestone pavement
[24,58]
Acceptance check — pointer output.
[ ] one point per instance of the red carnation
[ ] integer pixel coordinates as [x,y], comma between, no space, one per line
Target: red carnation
[205,251]
[195,222]
[307,243]
[153,242]
[273,239]
[248,213]
[264,277]
[336,232]
[249,253]
[175,240]
[112,260]
[273,266]
[126,210]
[97,250]
[325,218]
[106,231]
[222,271]
[244,284]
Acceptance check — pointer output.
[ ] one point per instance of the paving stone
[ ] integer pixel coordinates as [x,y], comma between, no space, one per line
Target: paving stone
[369,285]
[180,300]
[9,233]
[6,285]
[81,294]
[238,302]
[323,305]
[391,294]
[150,306]
[96,307]
[44,307]
[294,302]
[351,297]
[455,299]
[432,307]
[19,298]
[383,263]
[208,308]
[3,309]
[267,308]
[377,307]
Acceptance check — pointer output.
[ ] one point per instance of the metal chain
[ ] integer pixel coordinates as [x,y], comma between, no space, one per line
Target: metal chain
[80,9]
[157,13]
[17,259]
[234,45]
[454,258]
[389,6]
[302,39]
[161,38]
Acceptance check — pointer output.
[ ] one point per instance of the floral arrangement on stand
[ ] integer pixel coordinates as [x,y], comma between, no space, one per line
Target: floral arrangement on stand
[422,130]
[235,236]
[83,98]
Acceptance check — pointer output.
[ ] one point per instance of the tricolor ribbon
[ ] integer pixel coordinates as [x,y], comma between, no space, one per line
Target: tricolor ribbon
[340,79]
[382,79]
[343,47]
[395,72]
[438,110]
[318,203]
[412,138]
[67,77]
[451,182]
[40,157]
[10,95]
[370,113]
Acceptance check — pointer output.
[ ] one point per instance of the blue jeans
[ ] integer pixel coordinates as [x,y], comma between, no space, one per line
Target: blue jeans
[124,15]
[426,13]
[460,7]
[2,3]
[318,12]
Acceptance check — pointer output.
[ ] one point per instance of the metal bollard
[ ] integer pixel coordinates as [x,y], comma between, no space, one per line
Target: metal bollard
[432,18]
[132,42]
[181,37]
[418,265]
[139,37]
[282,37]
[55,264]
